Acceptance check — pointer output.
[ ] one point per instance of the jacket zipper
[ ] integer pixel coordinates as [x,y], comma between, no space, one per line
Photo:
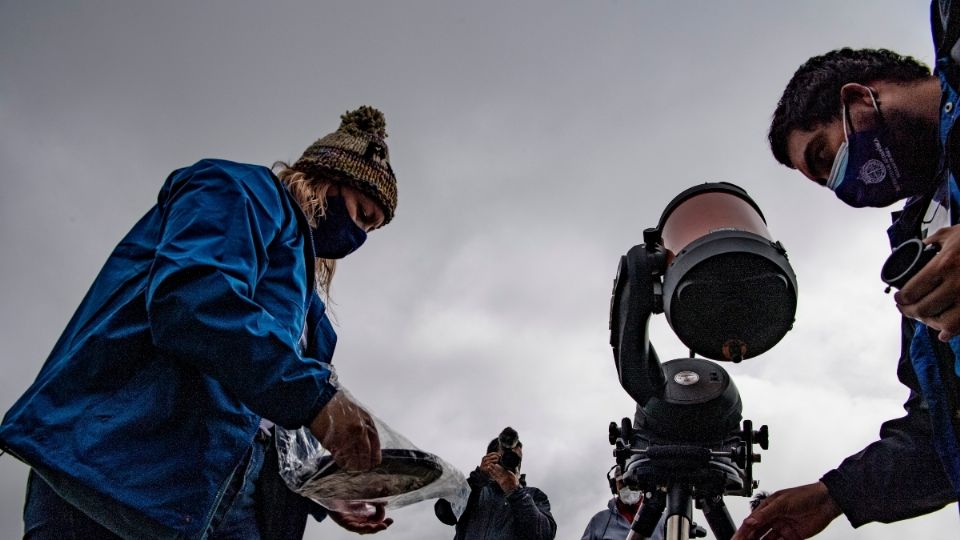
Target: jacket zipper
[218,500]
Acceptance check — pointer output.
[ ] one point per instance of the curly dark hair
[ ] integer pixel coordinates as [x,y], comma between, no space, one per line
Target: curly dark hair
[812,97]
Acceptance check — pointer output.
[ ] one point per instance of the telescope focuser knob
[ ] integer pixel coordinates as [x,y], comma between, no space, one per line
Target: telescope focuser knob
[626,429]
[614,432]
[651,237]
[763,437]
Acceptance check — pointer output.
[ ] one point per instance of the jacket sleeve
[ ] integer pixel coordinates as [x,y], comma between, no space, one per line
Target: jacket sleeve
[531,514]
[200,295]
[592,531]
[899,476]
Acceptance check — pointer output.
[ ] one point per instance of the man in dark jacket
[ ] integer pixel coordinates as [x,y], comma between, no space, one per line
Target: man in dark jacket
[877,128]
[501,505]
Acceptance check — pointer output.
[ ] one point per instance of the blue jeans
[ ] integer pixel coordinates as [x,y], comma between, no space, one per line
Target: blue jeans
[47,516]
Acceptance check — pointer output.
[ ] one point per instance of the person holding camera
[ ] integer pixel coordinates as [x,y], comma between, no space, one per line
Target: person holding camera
[151,418]
[501,505]
[614,522]
[876,128]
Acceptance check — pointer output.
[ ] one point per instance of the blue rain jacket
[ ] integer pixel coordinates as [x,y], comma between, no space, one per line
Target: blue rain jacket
[189,335]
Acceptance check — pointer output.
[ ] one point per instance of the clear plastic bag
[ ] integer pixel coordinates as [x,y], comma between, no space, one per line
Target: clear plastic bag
[405,476]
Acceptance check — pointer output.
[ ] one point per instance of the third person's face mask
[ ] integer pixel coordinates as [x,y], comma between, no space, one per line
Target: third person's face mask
[336,234]
[629,496]
[865,171]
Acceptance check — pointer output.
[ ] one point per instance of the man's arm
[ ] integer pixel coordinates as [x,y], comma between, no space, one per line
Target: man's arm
[531,514]
[899,476]
[895,478]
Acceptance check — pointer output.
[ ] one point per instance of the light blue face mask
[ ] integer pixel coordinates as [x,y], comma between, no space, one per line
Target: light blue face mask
[839,168]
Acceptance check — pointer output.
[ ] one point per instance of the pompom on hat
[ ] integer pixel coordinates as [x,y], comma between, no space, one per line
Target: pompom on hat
[355,154]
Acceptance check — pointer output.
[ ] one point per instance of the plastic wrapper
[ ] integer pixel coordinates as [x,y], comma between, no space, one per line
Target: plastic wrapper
[406,474]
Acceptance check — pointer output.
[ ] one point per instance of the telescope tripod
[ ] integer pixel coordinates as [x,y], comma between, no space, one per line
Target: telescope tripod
[676,501]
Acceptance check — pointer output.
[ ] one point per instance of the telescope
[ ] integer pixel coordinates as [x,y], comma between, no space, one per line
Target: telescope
[729,294]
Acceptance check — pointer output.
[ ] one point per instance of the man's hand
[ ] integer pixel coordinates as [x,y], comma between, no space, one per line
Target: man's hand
[790,514]
[366,518]
[933,295]
[348,432]
[507,480]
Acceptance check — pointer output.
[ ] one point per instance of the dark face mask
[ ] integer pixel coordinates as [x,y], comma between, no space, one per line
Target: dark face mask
[336,234]
[867,170]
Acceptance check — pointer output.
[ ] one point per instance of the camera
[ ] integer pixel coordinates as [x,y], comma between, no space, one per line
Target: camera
[508,440]
[905,261]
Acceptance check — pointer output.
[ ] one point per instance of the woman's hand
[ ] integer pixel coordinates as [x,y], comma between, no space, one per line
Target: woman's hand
[361,518]
[347,431]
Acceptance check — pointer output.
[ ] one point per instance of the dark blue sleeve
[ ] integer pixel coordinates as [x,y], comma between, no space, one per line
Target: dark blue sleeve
[902,465]
[532,519]
[200,298]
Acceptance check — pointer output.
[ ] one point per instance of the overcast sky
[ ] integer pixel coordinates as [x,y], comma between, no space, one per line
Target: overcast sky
[532,142]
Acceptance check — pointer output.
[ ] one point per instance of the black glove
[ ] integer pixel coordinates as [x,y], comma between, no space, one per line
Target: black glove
[444,512]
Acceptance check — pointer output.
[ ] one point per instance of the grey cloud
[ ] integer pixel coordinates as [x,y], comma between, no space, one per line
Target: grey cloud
[533,143]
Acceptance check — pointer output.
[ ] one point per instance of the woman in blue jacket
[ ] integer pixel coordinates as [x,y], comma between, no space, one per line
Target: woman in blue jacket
[203,328]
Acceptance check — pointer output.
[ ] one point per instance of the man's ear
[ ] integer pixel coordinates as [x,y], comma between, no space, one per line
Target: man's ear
[854,93]
[862,103]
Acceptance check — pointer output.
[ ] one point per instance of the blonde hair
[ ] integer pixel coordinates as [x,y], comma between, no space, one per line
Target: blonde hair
[311,195]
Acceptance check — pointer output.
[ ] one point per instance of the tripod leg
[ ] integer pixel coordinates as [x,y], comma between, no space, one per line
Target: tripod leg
[679,512]
[649,515]
[718,517]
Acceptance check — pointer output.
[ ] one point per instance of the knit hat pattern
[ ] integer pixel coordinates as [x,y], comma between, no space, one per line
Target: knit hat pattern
[357,155]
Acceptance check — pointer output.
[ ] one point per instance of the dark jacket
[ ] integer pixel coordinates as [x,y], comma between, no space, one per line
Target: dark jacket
[524,514]
[189,335]
[902,465]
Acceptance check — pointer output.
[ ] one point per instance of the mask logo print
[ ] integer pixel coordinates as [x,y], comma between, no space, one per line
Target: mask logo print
[872,172]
